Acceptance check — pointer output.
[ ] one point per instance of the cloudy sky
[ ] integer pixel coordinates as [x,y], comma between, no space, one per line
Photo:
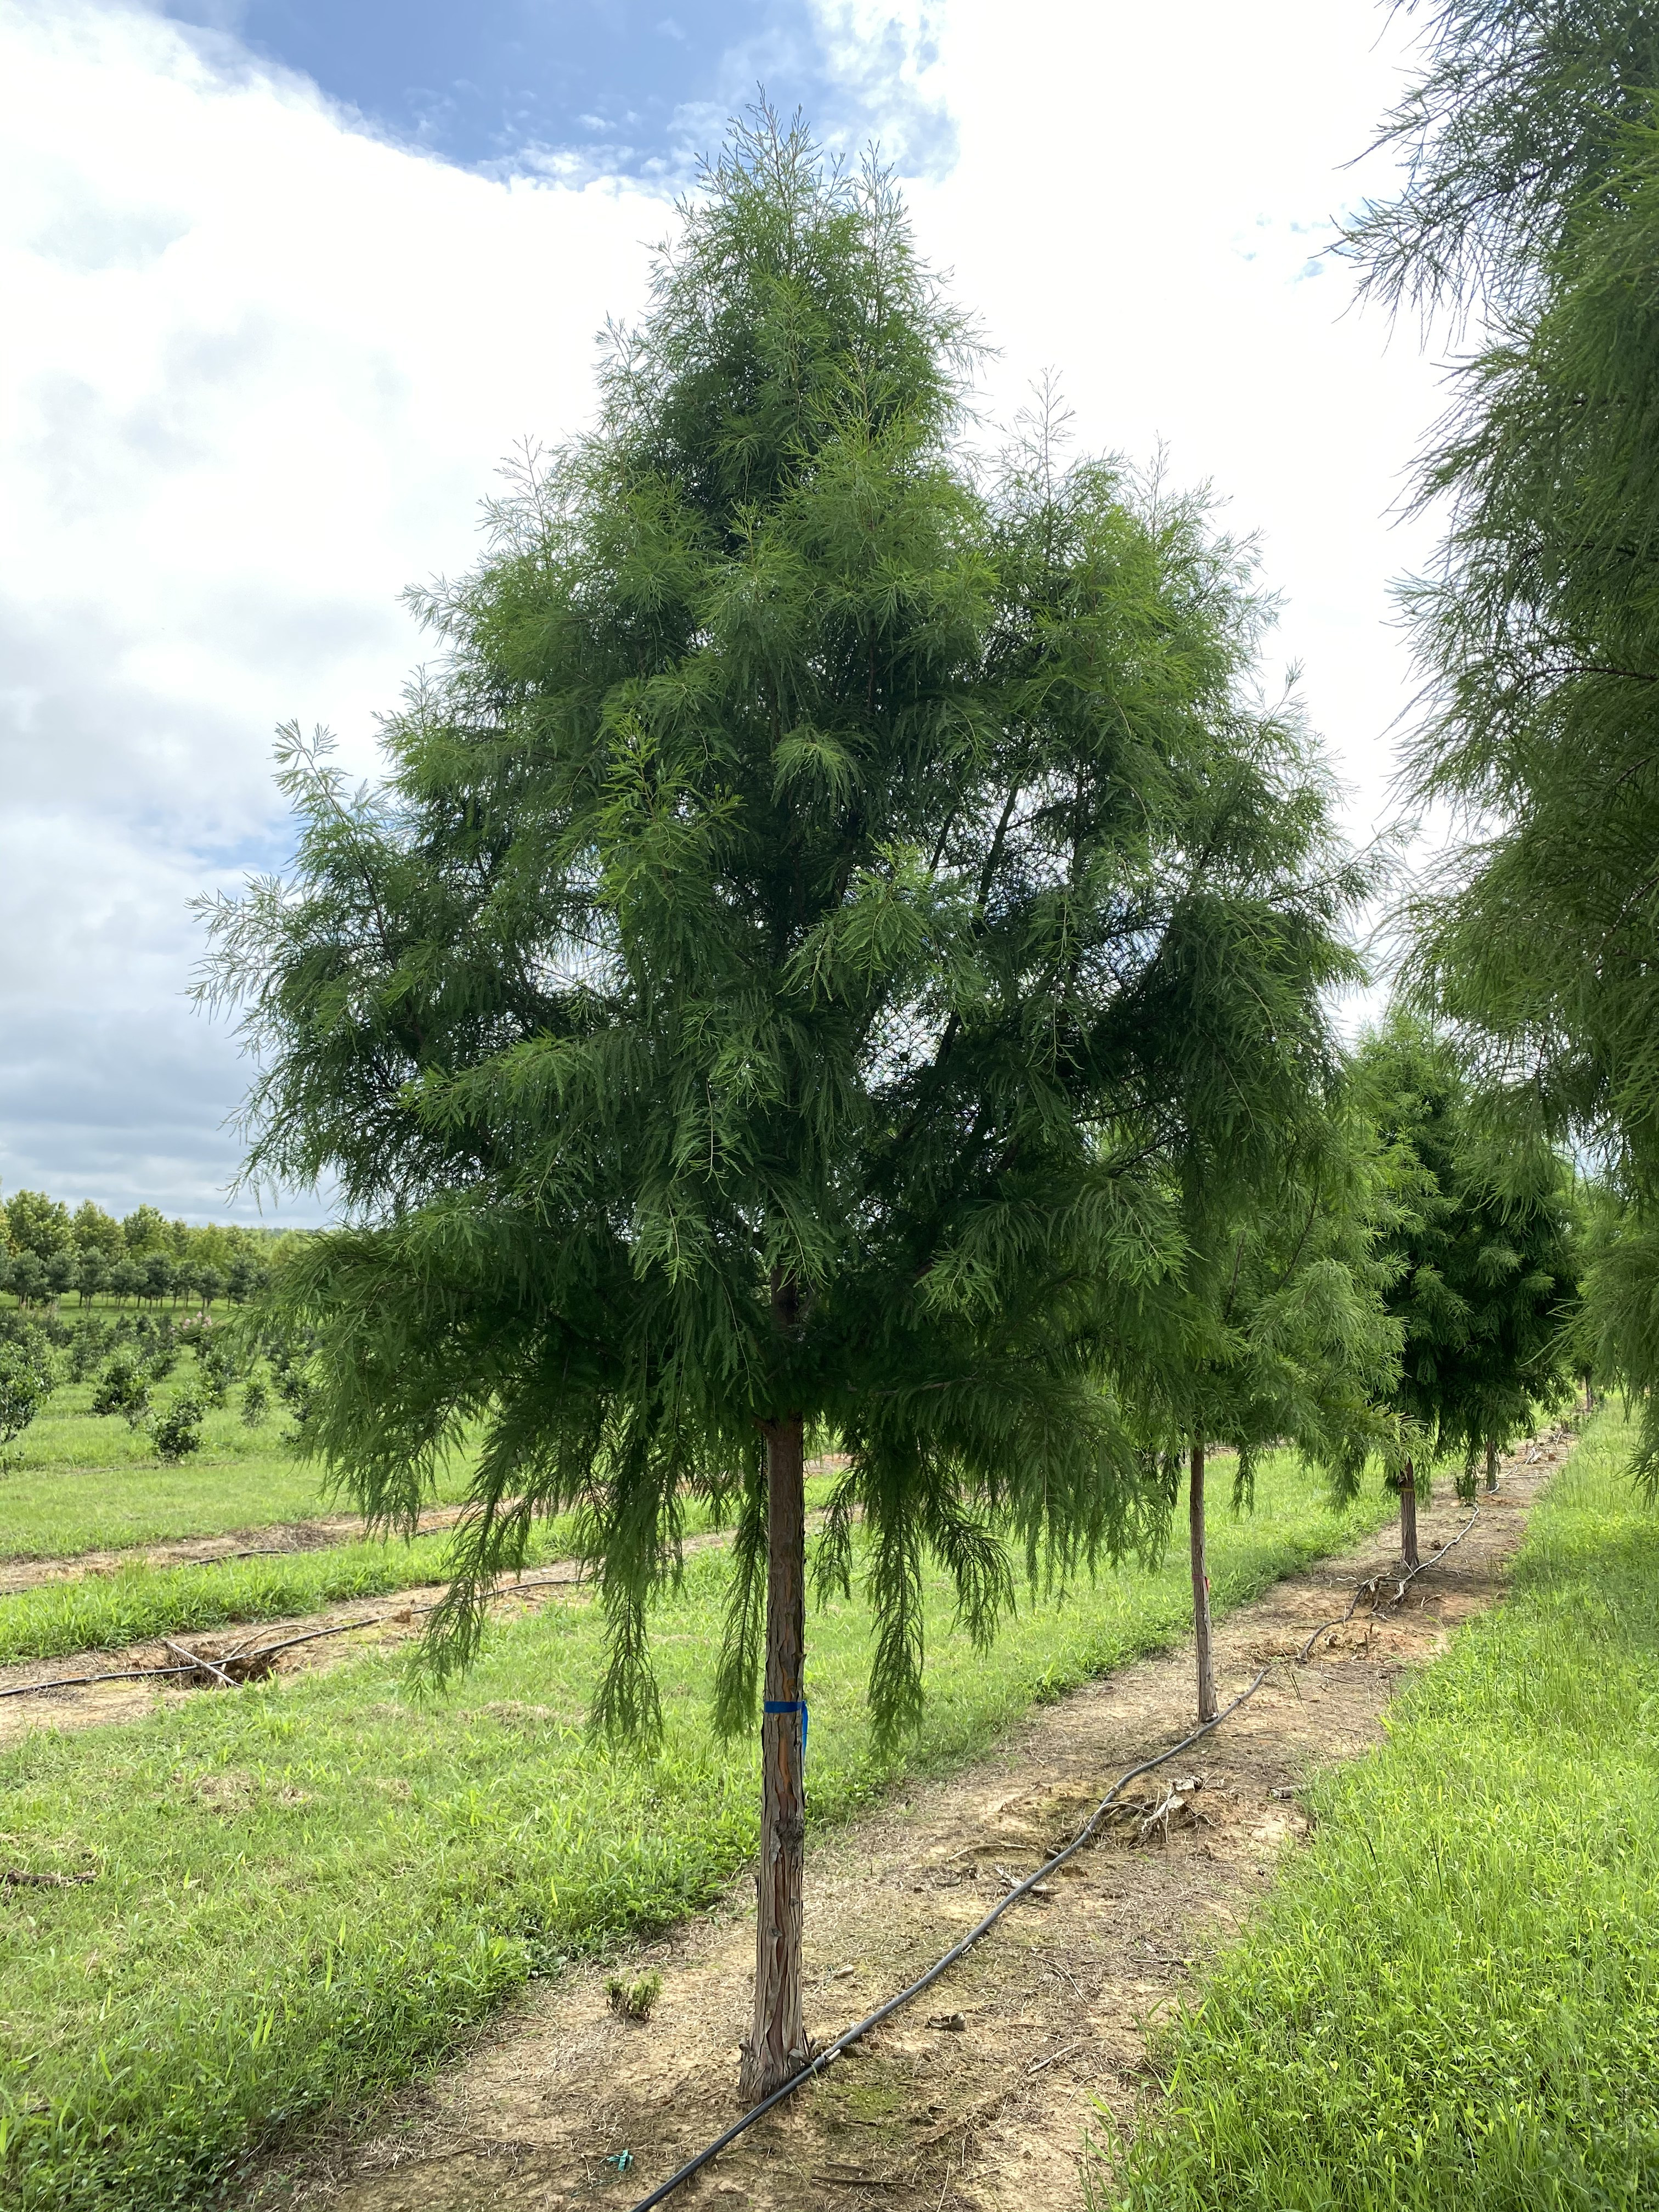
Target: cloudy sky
[284,278]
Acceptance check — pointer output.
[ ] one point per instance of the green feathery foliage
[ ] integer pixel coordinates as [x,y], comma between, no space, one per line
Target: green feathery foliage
[829,900]
[1534,197]
[1480,1253]
[1287,1336]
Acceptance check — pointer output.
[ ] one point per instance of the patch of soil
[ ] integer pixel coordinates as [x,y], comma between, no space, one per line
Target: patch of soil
[246,1653]
[979,2095]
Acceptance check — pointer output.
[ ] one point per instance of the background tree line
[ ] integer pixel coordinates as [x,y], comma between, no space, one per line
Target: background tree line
[46,1252]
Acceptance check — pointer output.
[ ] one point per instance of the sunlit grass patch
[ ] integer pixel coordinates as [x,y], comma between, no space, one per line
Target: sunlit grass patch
[103,1612]
[79,1482]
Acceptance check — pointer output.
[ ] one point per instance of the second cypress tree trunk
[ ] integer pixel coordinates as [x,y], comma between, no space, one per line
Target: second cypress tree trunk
[777,2046]
[1408,1516]
[1206,1703]
[1491,1462]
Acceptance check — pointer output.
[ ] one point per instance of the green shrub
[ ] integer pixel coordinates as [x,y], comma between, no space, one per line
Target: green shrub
[123,1389]
[178,1430]
[26,1383]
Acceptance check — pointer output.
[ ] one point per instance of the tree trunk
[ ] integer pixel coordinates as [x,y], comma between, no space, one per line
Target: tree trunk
[1408,1516]
[777,2047]
[1491,1462]
[1206,1703]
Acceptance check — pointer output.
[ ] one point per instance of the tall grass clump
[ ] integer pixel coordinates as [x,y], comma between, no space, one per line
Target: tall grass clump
[1453,1997]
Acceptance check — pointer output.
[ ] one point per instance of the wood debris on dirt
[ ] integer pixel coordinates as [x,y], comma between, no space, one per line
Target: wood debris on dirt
[989,2116]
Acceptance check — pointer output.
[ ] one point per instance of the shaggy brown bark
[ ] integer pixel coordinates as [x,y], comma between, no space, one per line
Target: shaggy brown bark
[777,2045]
[1206,1703]
[1408,1516]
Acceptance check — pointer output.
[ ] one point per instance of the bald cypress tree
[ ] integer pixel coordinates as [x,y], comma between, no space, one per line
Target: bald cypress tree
[829,899]
[1530,213]
[1480,1251]
[1286,1337]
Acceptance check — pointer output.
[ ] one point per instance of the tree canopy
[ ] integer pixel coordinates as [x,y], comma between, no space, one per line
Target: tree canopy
[1533,201]
[835,898]
[818,865]
[1480,1254]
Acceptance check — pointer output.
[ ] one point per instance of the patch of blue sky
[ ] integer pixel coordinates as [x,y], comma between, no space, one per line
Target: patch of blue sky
[636,88]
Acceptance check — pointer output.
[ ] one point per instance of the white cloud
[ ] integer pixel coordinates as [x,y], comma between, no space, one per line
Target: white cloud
[260,366]
[258,369]
[1138,196]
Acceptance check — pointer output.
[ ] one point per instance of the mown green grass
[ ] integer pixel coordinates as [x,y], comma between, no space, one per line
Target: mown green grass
[102,1612]
[305,1891]
[76,1482]
[1453,1997]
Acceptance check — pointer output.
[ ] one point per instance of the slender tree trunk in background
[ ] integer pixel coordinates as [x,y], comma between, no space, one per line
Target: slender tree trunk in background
[1408,1516]
[1207,1705]
[777,2047]
[1491,1462]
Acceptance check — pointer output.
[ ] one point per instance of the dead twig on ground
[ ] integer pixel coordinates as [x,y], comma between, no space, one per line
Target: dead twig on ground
[208,1667]
[1054,2057]
[1177,1799]
[1034,1888]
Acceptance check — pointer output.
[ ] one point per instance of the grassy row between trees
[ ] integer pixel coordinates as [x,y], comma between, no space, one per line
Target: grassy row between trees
[1453,1997]
[103,1612]
[77,1483]
[304,1890]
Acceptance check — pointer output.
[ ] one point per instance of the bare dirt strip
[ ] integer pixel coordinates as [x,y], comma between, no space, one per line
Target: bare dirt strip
[978,2098]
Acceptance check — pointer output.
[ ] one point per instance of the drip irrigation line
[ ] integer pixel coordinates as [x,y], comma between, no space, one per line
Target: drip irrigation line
[224,1558]
[79,1681]
[845,2041]
[1371,1587]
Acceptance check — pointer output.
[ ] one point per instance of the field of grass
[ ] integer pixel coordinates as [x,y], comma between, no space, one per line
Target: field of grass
[1452,1999]
[77,1482]
[104,1611]
[302,1891]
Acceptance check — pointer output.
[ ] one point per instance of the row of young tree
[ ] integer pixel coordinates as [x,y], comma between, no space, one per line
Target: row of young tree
[46,1252]
[845,944]
[126,1360]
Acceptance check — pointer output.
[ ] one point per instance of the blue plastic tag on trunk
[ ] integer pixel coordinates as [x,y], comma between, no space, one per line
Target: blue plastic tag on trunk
[791,1705]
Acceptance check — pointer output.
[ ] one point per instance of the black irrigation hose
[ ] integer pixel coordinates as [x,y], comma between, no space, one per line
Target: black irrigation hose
[856,2034]
[79,1681]
[1422,1567]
